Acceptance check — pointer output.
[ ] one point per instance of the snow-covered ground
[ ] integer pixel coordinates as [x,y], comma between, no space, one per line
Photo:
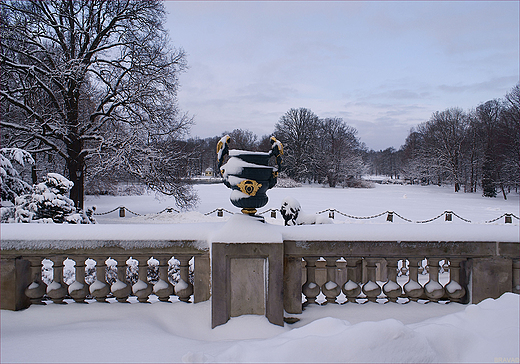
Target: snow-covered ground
[416,203]
[179,332]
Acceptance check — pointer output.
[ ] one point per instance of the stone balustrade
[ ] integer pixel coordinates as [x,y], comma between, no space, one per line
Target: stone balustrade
[359,272]
[257,278]
[23,283]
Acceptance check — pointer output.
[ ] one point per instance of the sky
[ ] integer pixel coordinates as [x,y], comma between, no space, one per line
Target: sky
[381,66]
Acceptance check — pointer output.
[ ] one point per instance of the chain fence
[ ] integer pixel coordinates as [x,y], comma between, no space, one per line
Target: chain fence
[448,215]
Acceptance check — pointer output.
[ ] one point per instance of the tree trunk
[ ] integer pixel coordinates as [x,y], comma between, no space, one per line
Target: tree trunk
[76,166]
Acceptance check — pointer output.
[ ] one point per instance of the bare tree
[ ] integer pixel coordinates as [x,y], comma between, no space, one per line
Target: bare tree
[297,130]
[444,136]
[93,79]
[242,139]
[338,151]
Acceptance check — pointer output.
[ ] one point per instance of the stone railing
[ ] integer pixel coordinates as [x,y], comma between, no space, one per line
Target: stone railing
[22,283]
[391,271]
[272,270]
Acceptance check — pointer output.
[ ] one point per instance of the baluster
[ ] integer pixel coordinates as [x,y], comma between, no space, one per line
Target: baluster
[351,288]
[57,290]
[310,289]
[121,289]
[163,288]
[331,289]
[78,290]
[433,289]
[412,288]
[37,288]
[454,290]
[142,289]
[391,288]
[371,289]
[184,288]
[100,289]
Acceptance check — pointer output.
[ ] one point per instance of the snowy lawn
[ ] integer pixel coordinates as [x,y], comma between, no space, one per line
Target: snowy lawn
[179,332]
[412,202]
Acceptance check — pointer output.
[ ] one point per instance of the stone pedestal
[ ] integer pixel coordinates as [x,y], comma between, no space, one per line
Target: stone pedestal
[247,279]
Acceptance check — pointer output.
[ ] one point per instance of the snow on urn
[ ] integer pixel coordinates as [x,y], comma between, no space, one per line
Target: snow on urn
[248,174]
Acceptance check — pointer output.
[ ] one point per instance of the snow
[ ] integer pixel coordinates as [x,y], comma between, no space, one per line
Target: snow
[158,286]
[97,285]
[370,286]
[139,286]
[180,285]
[178,332]
[349,286]
[412,285]
[453,287]
[330,285]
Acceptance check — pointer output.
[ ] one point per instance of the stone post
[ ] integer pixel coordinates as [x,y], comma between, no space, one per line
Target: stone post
[247,278]
[292,285]
[490,278]
[201,278]
[516,276]
[15,277]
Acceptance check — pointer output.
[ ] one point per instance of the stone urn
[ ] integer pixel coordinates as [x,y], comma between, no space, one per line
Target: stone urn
[248,174]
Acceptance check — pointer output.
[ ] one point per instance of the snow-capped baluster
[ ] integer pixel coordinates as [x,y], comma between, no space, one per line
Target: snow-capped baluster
[78,290]
[331,289]
[163,288]
[351,288]
[184,288]
[454,290]
[433,289]
[391,288]
[412,289]
[57,290]
[100,288]
[142,289]
[310,289]
[37,288]
[121,289]
[371,289]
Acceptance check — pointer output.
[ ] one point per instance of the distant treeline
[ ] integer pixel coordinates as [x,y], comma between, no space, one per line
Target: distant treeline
[476,150]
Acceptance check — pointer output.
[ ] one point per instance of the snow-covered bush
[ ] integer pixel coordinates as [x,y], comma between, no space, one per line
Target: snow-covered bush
[286,182]
[48,202]
[11,182]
